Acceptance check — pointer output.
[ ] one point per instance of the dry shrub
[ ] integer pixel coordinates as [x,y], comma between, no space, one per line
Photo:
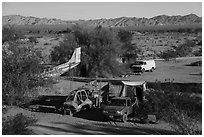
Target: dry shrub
[180,109]
[183,124]
[17,125]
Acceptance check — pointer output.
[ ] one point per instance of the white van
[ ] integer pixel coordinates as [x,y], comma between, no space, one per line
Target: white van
[143,65]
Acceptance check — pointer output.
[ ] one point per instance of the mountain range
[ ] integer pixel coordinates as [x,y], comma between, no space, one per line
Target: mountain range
[115,22]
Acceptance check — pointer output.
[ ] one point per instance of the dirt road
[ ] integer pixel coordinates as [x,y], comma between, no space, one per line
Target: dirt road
[176,71]
[61,125]
[89,122]
[92,122]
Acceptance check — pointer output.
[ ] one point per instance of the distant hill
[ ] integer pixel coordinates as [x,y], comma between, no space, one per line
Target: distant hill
[116,22]
[21,20]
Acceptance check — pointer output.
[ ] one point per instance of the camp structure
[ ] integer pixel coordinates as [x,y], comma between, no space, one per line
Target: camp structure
[131,89]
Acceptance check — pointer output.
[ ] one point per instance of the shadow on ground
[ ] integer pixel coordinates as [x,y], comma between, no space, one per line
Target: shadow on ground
[46,104]
[101,129]
[93,114]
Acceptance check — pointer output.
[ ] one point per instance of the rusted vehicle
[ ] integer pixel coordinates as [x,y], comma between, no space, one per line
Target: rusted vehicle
[78,100]
[120,108]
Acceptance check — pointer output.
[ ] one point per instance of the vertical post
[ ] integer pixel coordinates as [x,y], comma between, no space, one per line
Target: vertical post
[70,81]
[107,98]
[97,98]
[99,95]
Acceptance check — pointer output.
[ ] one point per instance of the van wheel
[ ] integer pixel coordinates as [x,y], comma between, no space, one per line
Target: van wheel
[125,118]
[152,69]
[143,70]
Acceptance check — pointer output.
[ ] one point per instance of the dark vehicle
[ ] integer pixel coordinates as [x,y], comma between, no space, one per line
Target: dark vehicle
[78,100]
[120,108]
[51,101]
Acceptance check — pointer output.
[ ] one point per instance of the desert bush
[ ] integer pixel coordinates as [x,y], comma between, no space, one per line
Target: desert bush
[10,34]
[168,55]
[17,125]
[61,54]
[184,49]
[20,69]
[184,125]
[47,43]
[125,36]
[33,40]
[198,52]
[128,50]
[180,109]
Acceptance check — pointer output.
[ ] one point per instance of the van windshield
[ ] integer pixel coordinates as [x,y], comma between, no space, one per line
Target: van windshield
[139,63]
[118,102]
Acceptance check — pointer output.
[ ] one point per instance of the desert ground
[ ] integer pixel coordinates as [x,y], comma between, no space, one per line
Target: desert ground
[50,122]
[86,123]
[175,71]
[92,121]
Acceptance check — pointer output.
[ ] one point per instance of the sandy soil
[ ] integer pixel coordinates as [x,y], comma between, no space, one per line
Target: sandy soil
[93,122]
[173,70]
[87,122]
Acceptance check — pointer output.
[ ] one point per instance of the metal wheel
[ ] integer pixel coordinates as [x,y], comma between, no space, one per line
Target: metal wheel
[143,70]
[152,69]
[125,118]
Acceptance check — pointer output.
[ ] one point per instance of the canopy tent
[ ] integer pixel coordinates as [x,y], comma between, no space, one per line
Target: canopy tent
[133,83]
[133,89]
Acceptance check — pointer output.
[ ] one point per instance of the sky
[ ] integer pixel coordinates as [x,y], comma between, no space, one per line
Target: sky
[98,10]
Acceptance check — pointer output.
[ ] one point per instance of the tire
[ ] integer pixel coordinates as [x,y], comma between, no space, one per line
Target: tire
[152,69]
[125,118]
[68,112]
[143,70]
[144,121]
[86,107]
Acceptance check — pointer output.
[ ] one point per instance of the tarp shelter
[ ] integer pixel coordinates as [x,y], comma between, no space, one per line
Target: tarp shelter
[133,89]
[130,89]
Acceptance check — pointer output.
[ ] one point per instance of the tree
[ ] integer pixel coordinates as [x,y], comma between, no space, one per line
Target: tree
[185,49]
[103,50]
[10,34]
[182,50]
[100,48]
[20,69]
[129,50]
[125,36]
[167,55]
[198,52]
[61,54]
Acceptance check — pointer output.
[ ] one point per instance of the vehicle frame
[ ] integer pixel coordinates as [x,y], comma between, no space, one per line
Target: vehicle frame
[78,100]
